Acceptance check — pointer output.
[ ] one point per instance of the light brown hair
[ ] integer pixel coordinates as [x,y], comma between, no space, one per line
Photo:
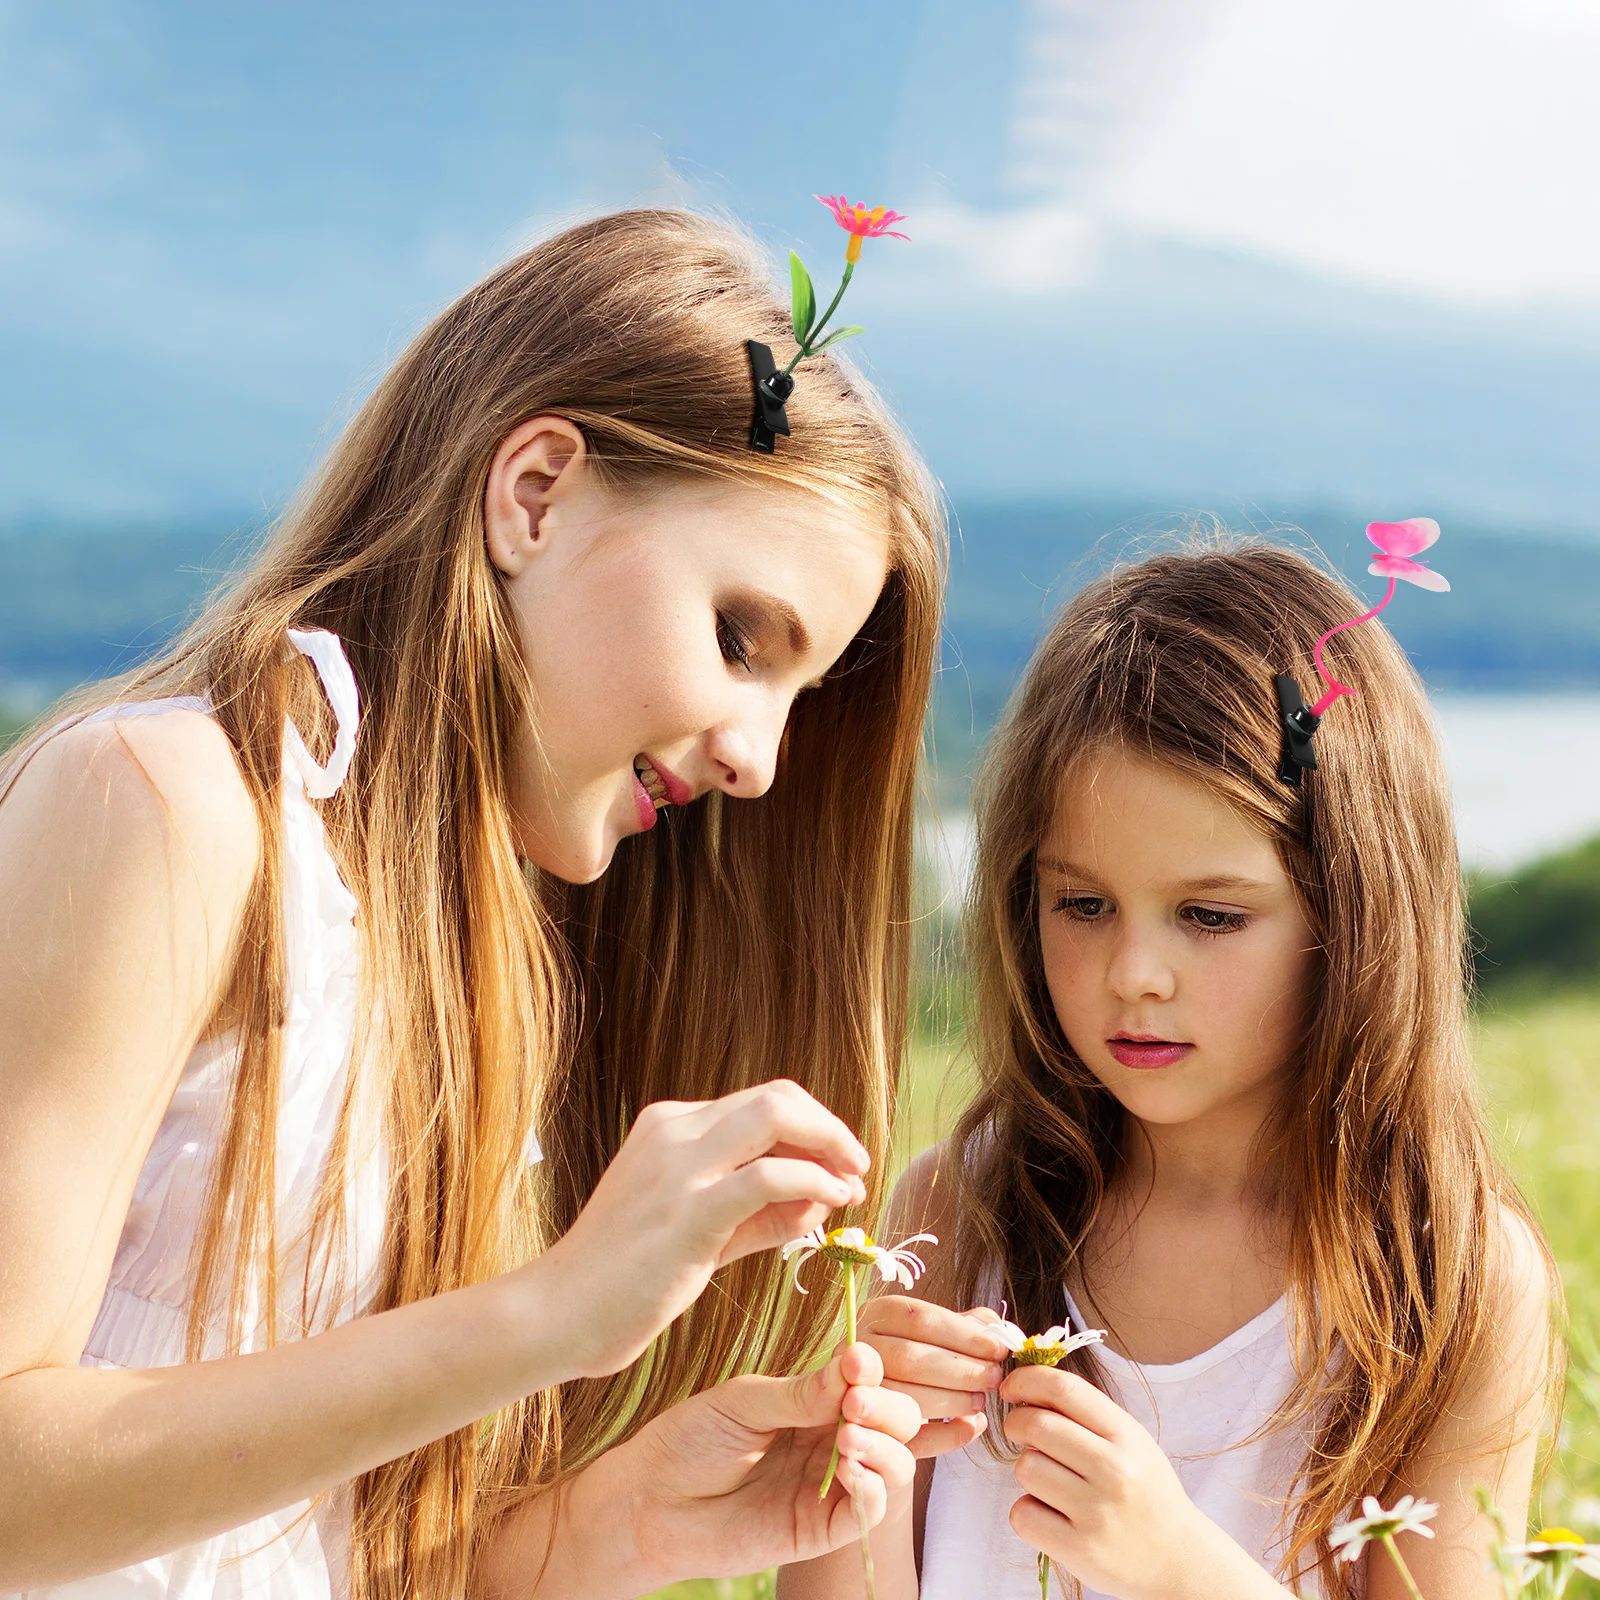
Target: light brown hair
[1378,1156]
[732,944]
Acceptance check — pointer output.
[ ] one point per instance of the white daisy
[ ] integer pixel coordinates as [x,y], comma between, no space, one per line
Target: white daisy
[1558,1551]
[1410,1515]
[1047,1349]
[854,1248]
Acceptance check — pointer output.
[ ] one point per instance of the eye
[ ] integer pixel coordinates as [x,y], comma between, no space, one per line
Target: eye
[1210,921]
[731,641]
[1081,907]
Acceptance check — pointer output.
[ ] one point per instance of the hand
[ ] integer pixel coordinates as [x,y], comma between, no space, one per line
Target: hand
[726,1483]
[1100,1496]
[697,1184]
[942,1359]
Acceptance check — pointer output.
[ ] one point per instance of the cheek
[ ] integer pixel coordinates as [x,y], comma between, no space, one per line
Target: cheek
[1257,994]
[1071,969]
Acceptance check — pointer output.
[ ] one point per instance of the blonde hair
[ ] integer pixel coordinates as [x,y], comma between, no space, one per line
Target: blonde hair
[1385,1175]
[730,945]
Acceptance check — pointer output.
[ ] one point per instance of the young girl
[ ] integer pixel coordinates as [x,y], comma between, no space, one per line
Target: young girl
[435,843]
[1228,1115]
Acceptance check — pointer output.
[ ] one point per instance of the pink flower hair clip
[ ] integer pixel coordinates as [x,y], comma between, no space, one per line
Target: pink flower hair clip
[773,387]
[1399,543]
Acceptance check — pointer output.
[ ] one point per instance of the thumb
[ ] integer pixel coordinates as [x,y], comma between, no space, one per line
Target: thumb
[812,1400]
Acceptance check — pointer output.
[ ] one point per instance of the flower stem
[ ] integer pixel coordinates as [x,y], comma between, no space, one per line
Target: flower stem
[866,1545]
[1400,1561]
[813,334]
[849,1338]
[1044,1576]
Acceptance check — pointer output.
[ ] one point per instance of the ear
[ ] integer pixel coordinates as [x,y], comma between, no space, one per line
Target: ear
[535,465]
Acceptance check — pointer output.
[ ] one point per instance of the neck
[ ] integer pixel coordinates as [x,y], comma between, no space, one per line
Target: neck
[1204,1165]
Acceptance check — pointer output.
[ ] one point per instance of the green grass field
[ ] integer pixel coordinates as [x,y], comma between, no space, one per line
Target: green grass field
[1540,1067]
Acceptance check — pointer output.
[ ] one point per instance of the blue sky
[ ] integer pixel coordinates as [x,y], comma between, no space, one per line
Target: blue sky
[1222,252]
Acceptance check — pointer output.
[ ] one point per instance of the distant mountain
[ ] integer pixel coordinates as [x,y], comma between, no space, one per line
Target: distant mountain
[79,600]
[1523,612]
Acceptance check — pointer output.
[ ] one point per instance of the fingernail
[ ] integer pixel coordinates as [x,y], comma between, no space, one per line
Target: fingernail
[994,1375]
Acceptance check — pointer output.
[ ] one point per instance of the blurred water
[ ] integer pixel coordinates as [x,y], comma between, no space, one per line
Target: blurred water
[1525,769]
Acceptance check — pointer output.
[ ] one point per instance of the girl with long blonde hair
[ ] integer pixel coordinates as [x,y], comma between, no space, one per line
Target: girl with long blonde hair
[487,928]
[1226,1117]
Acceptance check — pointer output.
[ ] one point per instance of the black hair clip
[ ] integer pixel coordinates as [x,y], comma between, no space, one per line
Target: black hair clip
[773,389]
[1299,723]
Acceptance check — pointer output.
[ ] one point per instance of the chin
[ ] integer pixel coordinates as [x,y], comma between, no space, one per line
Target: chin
[573,861]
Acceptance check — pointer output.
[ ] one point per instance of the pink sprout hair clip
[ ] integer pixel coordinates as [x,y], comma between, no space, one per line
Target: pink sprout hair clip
[1399,543]
[773,387]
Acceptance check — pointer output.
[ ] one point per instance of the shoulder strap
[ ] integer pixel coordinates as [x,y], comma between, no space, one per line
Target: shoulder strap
[326,654]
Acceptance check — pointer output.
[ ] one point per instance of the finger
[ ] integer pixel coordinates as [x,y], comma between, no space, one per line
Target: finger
[1052,1484]
[1070,1395]
[903,1317]
[877,1454]
[770,1181]
[912,1361]
[896,1415]
[769,1405]
[857,1493]
[935,1405]
[940,1438]
[1045,1529]
[742,1126]
[1064,1440]
[859,1364]
[774,1226]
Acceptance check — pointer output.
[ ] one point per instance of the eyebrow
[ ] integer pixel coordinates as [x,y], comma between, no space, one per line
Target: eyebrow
[1211,883]
[799,638]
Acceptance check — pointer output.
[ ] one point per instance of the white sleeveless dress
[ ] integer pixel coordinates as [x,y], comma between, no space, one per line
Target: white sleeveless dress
[1202,1412]
[300,1552]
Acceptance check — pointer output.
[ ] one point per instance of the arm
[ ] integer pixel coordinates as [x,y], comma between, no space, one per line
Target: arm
[1489,1437]
[722,1484]
[1102,1499]
[126,854]
[942,1359]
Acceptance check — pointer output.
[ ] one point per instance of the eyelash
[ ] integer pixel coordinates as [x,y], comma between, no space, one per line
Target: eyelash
[1232,921]
[731,641]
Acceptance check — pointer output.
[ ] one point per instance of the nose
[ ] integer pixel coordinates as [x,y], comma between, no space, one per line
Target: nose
[743,750]
[1140,968]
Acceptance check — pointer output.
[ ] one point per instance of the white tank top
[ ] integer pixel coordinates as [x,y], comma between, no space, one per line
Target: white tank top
[1202,1412]
[302,1551]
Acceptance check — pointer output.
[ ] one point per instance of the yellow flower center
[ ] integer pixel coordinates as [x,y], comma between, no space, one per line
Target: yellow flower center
[1557,1536]
[851,1245]
[1034,1354]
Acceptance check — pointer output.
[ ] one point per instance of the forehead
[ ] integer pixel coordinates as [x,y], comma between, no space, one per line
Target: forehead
[777,517]
[1115,811]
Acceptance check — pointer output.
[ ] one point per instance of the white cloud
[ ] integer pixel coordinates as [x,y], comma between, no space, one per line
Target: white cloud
[1446,146]
[1027,249]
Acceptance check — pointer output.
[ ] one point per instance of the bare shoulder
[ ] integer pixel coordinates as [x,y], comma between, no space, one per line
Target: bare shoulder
[1522,1291]
[142,783]
[924,1199]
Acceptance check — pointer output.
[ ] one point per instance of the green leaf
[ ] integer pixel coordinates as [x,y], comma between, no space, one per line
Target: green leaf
[836,336]
[804,298]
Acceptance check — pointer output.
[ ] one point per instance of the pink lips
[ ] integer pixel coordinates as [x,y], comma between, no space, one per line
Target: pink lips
[1146,1051]
[678,792]
[643,805]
